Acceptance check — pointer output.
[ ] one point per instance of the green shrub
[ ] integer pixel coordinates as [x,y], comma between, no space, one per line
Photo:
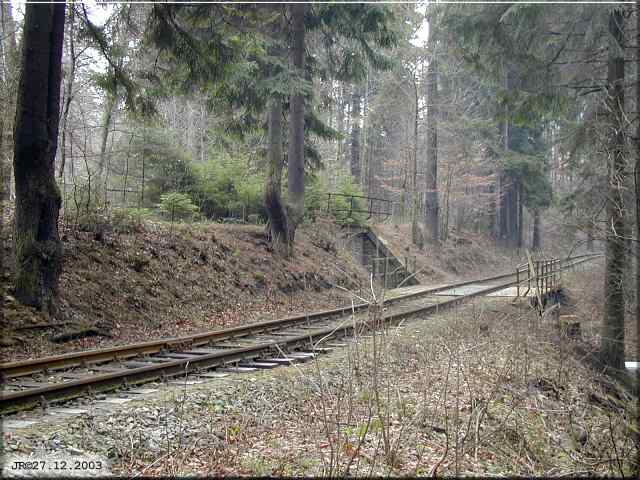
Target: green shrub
[315,196]
[227,186]
[176,205]
[341,206]
[316,200]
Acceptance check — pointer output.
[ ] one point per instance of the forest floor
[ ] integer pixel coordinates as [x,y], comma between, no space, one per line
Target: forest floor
[487,388]
[586,309]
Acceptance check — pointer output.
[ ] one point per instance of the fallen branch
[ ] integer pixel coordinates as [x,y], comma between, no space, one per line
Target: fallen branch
[87,332]
[38,326]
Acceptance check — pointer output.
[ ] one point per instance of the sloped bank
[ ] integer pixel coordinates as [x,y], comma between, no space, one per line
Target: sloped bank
[154,283]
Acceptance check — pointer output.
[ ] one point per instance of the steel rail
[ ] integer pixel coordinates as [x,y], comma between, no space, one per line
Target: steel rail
[83,358]
[15,401]
[28,367]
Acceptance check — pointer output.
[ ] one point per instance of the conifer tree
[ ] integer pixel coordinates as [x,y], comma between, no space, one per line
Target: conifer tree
[37,242]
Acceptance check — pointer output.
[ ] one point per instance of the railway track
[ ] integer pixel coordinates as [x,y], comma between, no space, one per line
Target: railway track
[38,382]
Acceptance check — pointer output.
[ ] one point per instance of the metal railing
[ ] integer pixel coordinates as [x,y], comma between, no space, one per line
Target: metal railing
[382,206]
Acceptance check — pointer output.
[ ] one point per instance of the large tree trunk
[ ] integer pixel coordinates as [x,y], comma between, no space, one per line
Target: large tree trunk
[432,207]
[272,193]
[508,207]
[37,243]
[296,125]
[356,169]
[278,224]
[612,342]
[637,185]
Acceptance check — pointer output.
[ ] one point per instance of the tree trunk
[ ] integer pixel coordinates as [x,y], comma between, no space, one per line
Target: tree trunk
[9,67]
[508,215]
[296,124]
[416,234]
[494,212]
[371,169]
[68,94]
[637,185]
[536,243]
[340,124]
[509,210]
[365,147]
[109,106]
[432,206]
[278,224]
[612,342]
[355,135]
[501,210]
[37,243]
[520,213]
[444,229]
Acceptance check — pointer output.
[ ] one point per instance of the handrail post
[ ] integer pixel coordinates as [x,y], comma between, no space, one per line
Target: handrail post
[517,282]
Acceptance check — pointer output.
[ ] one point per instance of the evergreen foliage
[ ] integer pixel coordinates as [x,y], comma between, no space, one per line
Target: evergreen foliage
[341,206]
[176,205]
[226,185]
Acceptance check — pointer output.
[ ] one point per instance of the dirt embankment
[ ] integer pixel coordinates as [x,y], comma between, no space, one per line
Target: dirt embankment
[153,283]
[460,257]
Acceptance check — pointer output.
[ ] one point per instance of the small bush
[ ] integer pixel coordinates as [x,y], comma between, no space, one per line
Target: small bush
[129,220]
[227,186]
[176,205]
